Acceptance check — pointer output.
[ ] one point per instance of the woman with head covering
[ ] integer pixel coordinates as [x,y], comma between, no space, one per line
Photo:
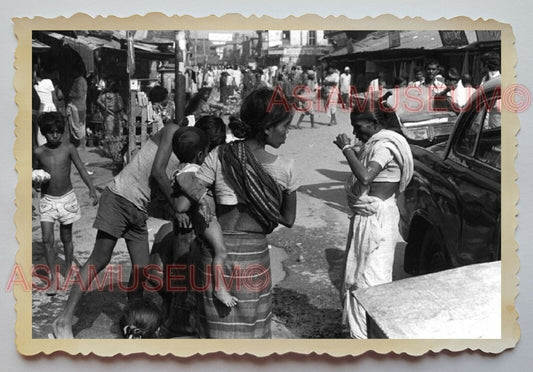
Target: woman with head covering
[380,171]
[254,192]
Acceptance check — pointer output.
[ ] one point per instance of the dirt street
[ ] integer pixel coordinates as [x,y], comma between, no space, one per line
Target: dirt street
[307,260]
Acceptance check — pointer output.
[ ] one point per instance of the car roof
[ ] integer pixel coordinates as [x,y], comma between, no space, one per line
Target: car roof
[489,86]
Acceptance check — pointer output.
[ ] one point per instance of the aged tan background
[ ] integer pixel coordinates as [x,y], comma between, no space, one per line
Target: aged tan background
[502,12]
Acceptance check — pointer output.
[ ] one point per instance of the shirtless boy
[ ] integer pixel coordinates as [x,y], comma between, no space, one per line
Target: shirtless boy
[58,201]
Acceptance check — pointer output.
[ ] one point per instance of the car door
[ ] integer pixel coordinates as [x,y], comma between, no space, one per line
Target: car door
[473,166]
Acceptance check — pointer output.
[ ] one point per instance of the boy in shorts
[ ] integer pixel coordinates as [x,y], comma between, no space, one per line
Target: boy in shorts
[122,213]
[58,201]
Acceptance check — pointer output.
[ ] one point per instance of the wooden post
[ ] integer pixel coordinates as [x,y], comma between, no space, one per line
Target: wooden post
[144,135]
[205,54]
[179,78]
[195,48]
[132,146]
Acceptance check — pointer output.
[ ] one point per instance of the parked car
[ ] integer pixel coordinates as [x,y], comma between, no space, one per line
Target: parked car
[420,121]
[450,211]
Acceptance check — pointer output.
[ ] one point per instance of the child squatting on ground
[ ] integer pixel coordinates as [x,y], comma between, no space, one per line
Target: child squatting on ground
[58,201]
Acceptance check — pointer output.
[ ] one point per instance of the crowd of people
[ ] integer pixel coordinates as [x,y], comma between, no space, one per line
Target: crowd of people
[248,206]
[47,96]
[220,89]
[224,194]
[325,88]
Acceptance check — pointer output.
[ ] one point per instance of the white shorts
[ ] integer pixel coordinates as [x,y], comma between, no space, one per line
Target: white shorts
[64,209]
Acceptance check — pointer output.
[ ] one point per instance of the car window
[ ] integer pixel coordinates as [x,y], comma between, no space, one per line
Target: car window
[489,147]
[466,143]
[481,137]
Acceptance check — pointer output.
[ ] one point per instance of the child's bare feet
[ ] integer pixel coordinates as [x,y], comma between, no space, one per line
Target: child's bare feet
[62,329]
[70,277]
[54,285]
[226,298]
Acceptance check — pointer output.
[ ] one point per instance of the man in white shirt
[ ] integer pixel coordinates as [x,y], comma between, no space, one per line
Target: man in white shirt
[450,98]
[345,82]
[431,81]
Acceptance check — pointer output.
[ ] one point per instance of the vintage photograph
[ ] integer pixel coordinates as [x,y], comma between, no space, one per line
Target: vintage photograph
[333,184]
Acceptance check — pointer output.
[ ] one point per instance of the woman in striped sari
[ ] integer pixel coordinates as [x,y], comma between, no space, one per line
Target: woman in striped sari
[254,192]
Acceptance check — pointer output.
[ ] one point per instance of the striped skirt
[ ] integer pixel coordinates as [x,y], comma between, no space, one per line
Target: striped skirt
[247,276]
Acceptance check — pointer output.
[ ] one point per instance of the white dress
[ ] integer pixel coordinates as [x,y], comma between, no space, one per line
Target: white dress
[44,89]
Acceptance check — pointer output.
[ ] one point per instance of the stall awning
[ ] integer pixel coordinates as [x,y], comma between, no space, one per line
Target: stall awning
[153,49]
[85,46]
[340,52]
[414,39]
[87,42]
[379,41]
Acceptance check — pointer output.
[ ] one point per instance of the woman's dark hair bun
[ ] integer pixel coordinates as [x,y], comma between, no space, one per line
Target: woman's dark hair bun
[238,127]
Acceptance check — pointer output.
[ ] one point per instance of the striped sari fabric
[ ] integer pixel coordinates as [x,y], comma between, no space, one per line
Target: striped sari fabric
[247,276]
[258,189]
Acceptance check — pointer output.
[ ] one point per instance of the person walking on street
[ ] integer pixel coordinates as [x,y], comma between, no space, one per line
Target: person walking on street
[306,99]
[345,84]
[78,97]
[331,93]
